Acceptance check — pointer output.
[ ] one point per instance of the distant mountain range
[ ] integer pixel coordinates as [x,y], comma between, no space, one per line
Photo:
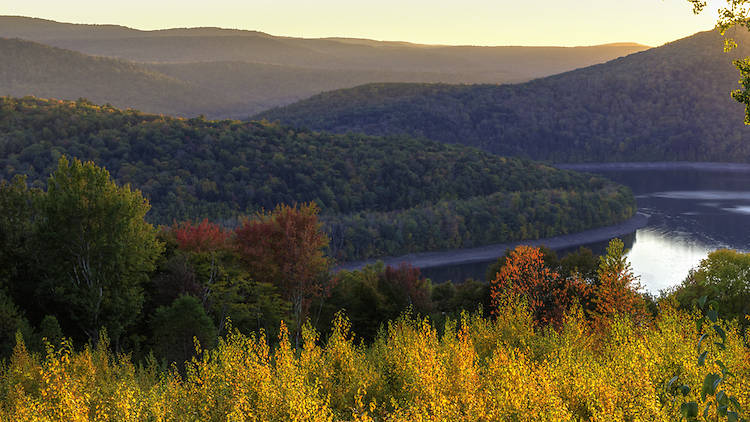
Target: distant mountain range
[28,68]
[234,73]
[664,104]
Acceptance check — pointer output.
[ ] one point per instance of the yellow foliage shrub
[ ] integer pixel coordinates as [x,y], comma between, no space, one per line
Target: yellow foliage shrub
[473,369]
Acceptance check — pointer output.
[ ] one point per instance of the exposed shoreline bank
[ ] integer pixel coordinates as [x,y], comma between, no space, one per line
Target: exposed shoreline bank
[490,252]
[658,165]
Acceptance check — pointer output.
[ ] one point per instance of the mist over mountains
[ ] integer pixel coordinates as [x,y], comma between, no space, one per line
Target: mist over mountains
[224,73]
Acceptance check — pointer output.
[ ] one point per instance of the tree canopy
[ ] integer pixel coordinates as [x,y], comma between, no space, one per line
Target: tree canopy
[98,248]
[377,196]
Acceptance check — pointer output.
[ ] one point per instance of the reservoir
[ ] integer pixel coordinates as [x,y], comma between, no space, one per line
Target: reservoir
[692,208]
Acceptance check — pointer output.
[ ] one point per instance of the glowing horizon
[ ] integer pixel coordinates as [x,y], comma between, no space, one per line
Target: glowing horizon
[475,22]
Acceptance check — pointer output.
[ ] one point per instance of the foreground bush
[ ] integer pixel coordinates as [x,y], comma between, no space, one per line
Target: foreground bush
[478,369]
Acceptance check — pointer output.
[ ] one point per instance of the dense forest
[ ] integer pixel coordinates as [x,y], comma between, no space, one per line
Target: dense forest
[669,103]
[224,73]
[377,196]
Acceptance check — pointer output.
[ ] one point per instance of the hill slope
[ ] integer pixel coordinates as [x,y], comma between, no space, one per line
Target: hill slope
[249,88]
[378,196]
[215,89]
[667,103]
[29,68]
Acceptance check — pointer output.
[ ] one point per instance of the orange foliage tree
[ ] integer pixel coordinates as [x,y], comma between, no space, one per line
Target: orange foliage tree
[286,248]
[548,294]
[617,289]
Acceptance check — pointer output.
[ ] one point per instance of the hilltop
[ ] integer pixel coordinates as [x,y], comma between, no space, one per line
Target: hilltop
[669,103]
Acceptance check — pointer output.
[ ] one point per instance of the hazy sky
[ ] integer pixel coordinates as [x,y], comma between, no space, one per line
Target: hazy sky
[478,22]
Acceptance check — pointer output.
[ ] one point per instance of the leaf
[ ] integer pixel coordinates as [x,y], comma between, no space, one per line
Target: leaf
[721,346]
[735,403]
[722,410]
[721,333]
[709,385]
[733,417]
[702,358]
[689,410]
[702,301]
[672,381]
[705,410]
[717,381]
[685,390]
[712,315]
[721,398]
[701,340]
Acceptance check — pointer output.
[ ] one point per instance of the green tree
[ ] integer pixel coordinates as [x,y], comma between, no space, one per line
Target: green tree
[724,276]
[174,327]
[10,322]
[97,248]
[17,255]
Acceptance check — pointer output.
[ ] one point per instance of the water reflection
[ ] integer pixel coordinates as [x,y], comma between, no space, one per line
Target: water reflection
[663,259]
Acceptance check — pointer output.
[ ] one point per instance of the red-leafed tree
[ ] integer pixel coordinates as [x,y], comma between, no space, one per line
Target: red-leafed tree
[203,237]
[405,287]
[548,294]
[286,248]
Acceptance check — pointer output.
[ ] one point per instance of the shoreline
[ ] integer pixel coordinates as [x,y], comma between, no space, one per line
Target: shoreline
[490,252]
[657,165]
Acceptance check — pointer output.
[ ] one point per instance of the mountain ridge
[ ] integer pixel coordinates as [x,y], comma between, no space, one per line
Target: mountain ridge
[667,103]
[237,73]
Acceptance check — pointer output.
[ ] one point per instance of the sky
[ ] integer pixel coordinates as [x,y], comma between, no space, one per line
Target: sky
[464,22]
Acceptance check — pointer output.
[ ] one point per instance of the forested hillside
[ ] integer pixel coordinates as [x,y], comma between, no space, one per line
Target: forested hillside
[378,195]
[29,68]
[225,73]
[665,104]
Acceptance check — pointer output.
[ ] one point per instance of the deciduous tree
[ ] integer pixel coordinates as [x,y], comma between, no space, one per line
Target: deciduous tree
[525,274]
[175,326]
[617,289]
[202,237]
[97,248]
[286,248]
[724,276]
